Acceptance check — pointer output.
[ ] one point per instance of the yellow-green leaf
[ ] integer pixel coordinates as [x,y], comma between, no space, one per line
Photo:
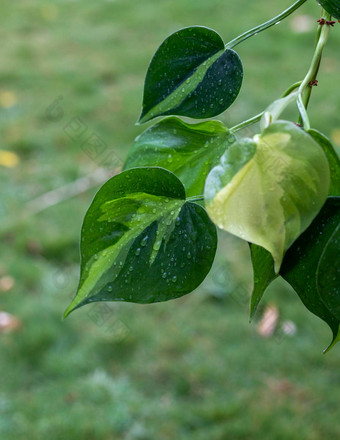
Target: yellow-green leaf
[269,189]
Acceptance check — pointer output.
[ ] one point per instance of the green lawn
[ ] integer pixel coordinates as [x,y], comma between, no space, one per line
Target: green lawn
[193,368]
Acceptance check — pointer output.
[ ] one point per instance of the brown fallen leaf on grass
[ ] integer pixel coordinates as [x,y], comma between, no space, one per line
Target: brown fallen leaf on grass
[9,323]
[6,283]
[266,327]
[280,386]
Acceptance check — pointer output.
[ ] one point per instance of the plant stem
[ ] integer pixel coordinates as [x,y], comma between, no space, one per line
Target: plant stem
[245,124]
[256,118]
[302,101]
[264,26]
[195,198]
[291,89]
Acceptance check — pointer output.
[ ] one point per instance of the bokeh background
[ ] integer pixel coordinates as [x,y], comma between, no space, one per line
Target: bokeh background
[71,79]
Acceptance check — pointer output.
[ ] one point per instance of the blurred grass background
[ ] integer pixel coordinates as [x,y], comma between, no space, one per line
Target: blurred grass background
[193,368]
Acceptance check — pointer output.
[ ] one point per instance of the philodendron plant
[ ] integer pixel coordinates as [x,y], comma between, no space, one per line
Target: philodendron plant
[147,237]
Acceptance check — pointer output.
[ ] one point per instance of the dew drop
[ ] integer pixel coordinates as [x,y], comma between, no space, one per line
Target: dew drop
[157,245]
[144,241]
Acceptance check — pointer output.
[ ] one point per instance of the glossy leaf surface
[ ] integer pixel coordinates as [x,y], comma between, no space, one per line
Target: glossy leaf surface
[312,266]
[191,74]
[332,7]
[142,242]
[188,150]
[269,189]
[333,160]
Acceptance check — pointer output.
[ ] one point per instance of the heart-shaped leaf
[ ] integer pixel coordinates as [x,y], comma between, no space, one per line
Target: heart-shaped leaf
[269,189]
[191,74]
[331,6]
[263,265]
[142,241]
[333,160]
[312,266]
[188,150]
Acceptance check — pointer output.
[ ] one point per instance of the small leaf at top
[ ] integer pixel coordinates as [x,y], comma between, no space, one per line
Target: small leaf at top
[269,189]
[142,242]
[188,150]
[191,74]
[333,160]
[312,266]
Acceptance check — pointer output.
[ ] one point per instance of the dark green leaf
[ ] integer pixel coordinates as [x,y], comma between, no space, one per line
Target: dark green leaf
[188,150]
[311,266]
[142,241]
[264,274]
[191,74]
[333,160]
[328,273]
[331,6]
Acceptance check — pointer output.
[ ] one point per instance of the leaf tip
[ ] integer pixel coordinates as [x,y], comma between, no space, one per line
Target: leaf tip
[251,315]
[277,263]
[143,118]
[253,308]
[335,340]
[75,303]
[67,311]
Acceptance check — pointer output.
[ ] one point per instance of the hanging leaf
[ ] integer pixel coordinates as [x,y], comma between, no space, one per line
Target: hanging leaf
[142,241]
[263,265]
[264,274]
[191,74]
[333,160]
[269,189]
[312,266]
[332,7]
[188,150]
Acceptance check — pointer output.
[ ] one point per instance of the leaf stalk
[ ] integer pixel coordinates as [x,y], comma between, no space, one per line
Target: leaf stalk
[262,27]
